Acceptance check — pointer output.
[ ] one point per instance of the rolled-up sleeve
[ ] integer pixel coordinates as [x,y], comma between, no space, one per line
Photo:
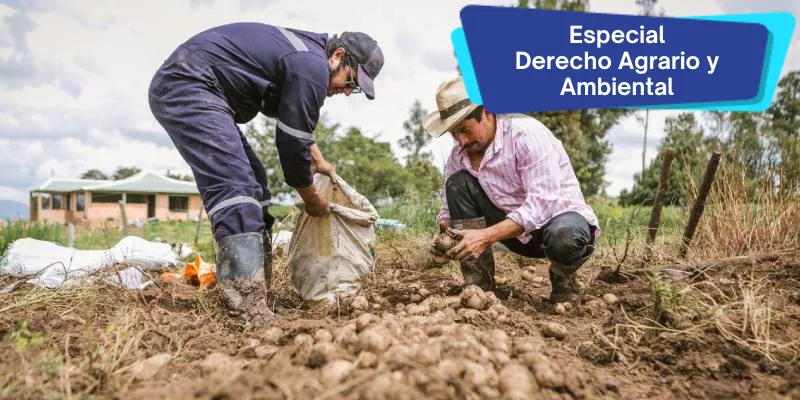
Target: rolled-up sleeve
[537,164]
[302,95]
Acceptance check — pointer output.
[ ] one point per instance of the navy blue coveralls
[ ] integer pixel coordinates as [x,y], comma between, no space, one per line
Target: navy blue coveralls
[226,76]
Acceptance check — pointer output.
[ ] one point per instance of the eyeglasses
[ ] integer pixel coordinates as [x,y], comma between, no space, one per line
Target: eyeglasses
[352,84]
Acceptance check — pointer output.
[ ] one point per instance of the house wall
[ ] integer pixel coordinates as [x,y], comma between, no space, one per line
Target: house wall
[59,216]
[96,212]
[163,212]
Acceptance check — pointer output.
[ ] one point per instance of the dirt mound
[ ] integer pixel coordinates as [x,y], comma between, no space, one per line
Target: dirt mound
[415,333]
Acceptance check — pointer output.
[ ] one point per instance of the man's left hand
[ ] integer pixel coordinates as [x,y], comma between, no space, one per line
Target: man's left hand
[326,168]
[473,243]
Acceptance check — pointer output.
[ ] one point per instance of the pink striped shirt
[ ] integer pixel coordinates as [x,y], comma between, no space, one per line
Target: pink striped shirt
[526,173]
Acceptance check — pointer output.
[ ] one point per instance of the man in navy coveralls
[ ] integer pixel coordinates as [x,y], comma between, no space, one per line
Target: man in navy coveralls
[227,75]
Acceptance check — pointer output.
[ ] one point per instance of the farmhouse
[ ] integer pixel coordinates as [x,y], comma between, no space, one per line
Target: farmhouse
[146,195]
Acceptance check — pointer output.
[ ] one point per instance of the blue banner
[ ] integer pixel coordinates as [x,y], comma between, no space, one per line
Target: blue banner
[529,60]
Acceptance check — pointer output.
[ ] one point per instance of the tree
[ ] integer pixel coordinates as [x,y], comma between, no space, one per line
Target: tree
[416,137]
[685,135]
[783,118]
[424,177]
[94,174]
[187,177]
[366,164]
[124,172]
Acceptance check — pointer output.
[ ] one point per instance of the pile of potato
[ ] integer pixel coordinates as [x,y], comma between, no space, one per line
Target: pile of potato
[429,349]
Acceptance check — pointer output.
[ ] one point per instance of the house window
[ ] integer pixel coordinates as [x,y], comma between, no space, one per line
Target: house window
[80,201]
[58,202]
[136,199]
[102,197]
[46,203]
[178,203]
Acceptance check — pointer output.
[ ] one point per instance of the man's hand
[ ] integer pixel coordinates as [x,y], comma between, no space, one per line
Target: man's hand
[316,205]
[324,167]
[473,243]
[444,225]
[318,164]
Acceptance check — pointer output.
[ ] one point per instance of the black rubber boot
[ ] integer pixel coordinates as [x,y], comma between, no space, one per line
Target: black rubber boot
[241,256]
[478,272]
[241,275]
[564,280]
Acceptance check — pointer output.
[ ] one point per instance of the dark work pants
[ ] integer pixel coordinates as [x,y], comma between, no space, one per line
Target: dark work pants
[566,239]
[187,102]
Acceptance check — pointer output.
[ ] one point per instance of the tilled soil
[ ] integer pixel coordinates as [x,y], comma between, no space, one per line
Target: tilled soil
[414,333]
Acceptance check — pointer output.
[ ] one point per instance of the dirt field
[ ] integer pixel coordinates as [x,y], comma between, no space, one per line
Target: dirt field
[729,331]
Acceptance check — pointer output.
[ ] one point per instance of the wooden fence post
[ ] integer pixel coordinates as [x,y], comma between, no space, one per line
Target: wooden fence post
[197,232]
[699,204]
[658,202]
[70,235]
[123,217]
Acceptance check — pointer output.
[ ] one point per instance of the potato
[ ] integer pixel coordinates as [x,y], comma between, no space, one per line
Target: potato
[421,309]
[367,360]
[360,303]
[303,340]
[554,330]
[346,336]
[527,344]
[497,340]
[375,339]
[500,358]
[560,309]
[427,353]
[364,321]
[272,335]
[528,275]
[323,336]
[450,369]
[475,298]
[320,354]
[548,376]
[610,299]
[335,372]
[444,242]
[479,374]
[516,382]
[452,302]
[434,303]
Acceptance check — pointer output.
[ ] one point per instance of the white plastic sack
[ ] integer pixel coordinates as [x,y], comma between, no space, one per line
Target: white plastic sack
[328,254]
[52,265]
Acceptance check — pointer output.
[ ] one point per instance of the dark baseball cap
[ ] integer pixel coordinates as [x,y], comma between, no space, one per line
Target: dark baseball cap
[368,55]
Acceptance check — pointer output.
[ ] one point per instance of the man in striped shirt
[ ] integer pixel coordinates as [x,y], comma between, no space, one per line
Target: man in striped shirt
[509,180]
[225,76]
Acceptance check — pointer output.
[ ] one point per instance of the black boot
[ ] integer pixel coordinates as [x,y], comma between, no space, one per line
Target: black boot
[564,279]
[563,283]
[241,276]
[241,256]
[478,272]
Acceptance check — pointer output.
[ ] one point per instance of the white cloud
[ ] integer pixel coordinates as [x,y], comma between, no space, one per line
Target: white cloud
[75,75]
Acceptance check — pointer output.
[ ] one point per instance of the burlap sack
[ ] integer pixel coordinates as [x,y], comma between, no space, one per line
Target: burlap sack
[328,254]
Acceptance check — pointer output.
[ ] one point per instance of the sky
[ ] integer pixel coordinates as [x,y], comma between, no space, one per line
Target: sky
[74,75]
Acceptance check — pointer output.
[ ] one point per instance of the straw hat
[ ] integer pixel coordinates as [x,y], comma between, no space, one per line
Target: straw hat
[453,106]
